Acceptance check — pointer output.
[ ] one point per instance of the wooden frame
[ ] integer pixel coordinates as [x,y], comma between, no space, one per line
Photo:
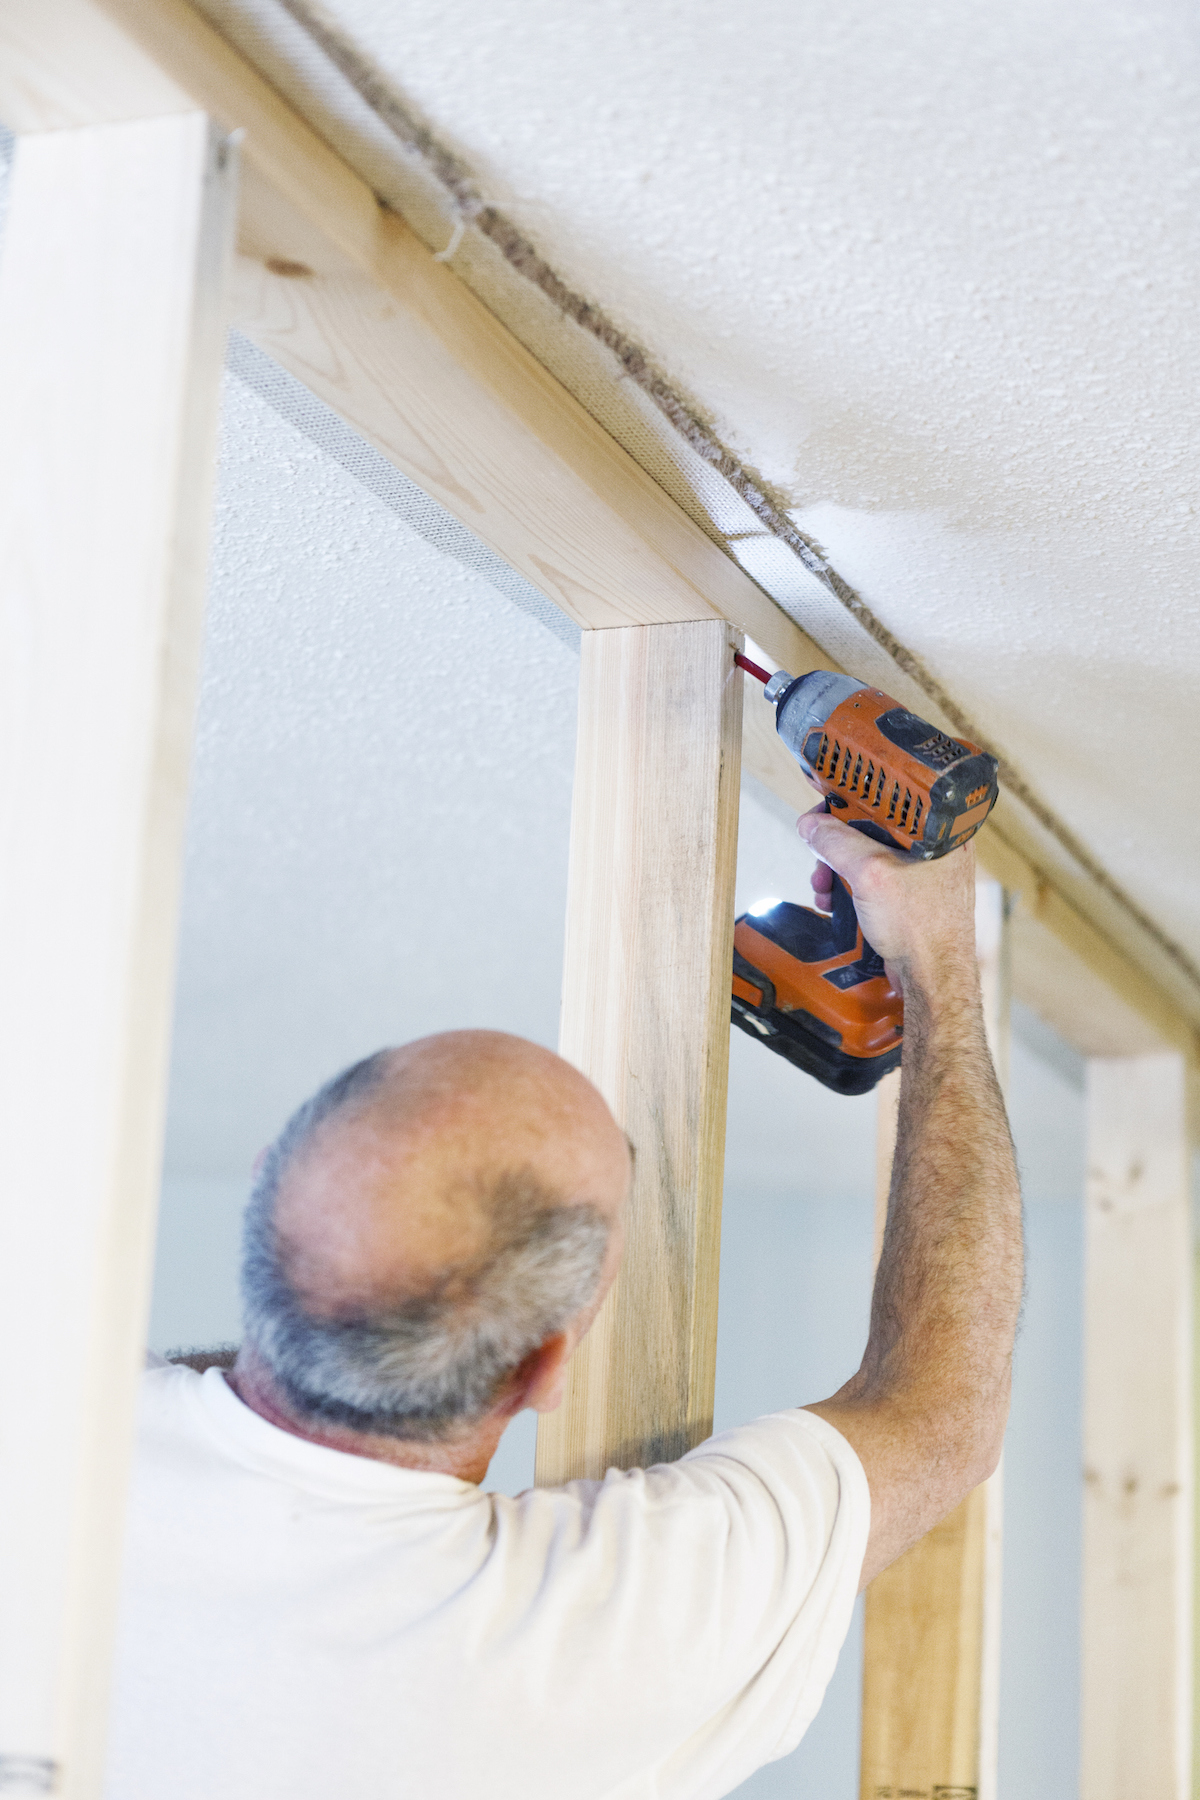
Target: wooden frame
[107,440]
[345,296]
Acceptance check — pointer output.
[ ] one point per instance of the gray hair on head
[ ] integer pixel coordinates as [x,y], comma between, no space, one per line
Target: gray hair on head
[430,1365]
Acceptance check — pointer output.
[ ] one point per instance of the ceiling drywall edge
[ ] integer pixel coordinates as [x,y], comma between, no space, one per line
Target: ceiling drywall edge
[311,60]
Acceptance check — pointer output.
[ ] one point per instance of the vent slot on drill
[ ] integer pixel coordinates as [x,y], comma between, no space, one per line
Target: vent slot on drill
[859,775]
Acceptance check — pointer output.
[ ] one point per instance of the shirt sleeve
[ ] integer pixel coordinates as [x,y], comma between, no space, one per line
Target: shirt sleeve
[713,1596]
[799,1512]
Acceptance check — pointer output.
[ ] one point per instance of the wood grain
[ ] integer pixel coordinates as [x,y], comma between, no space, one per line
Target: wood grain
[931,1653]
[649,949]
[393,340]
[1137,1497]
[113,286]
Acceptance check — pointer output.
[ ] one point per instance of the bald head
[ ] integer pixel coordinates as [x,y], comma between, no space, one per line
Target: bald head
[410,1171]
[424,1222]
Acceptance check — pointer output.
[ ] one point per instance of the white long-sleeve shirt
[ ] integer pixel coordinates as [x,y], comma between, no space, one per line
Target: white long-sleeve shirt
[302,1624]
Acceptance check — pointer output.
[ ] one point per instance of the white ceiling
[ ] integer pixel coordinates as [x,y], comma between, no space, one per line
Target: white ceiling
[931,268]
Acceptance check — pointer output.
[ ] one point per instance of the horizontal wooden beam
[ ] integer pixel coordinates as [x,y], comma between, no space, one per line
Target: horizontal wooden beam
[344,294]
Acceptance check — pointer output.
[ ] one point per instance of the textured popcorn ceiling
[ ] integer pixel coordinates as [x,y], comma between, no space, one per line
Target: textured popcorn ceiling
[931,267]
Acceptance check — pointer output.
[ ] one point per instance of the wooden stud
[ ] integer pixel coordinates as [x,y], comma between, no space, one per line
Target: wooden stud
[1193,1136]
[343,294]
[931,1654]
[1137,1510]
[1194,1139]
[649,950]
[113,284]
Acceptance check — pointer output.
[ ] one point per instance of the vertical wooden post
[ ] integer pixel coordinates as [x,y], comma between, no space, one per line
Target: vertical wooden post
[1193,1142]
[931,1655]
[993,941]
[112,276]
[649,952]
[1137,1510]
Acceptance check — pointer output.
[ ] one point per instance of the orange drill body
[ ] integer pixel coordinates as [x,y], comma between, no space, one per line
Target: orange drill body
[881,766]
[808,983]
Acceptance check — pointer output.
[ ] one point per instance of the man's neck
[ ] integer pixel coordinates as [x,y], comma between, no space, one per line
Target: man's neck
[465,1457]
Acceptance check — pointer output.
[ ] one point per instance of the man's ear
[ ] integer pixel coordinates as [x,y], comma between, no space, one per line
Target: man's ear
[541,1378]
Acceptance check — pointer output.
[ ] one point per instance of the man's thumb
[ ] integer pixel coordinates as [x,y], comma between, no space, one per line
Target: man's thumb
[836,844]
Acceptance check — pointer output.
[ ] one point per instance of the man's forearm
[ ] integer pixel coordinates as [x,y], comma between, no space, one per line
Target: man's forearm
[948,1289]
[927,1408]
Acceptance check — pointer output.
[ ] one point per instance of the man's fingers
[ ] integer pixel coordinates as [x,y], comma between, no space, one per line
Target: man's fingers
[919,916]
[845,850]
[822,887]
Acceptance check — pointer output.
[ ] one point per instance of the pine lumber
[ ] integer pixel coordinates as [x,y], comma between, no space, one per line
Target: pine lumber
[645,1015]
[931,1651]
[1137,1432]
[113,290]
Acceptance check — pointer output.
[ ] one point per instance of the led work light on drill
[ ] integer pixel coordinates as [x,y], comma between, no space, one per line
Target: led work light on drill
[808,983]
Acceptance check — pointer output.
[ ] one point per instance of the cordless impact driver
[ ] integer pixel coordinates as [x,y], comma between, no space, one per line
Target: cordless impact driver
[808,984]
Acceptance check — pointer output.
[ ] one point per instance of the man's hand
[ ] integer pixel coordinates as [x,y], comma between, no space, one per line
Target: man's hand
[919,916]
[927,1409]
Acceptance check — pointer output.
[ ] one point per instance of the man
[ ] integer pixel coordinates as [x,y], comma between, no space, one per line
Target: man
[320,1601]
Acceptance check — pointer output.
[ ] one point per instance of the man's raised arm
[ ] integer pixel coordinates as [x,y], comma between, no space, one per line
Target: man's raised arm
[927,1409]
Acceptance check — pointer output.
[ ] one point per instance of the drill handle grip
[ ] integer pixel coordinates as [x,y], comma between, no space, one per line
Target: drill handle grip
[846,927]
[845,920]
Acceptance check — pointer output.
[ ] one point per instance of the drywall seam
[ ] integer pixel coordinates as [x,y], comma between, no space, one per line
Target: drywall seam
[250,25]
